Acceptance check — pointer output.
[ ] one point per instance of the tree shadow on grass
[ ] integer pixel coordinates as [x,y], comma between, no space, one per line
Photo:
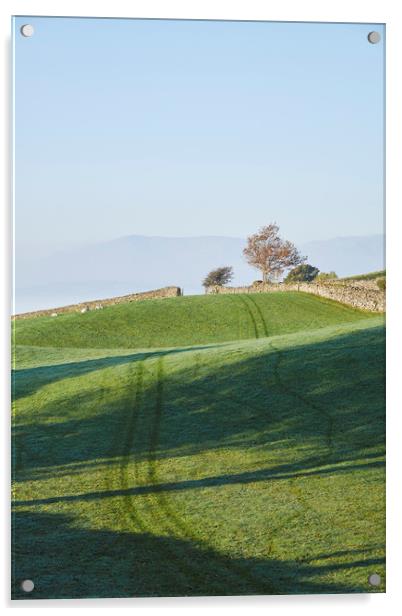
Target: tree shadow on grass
[324,399]
[306,468]
[69,562]
[26,381]
[320,405]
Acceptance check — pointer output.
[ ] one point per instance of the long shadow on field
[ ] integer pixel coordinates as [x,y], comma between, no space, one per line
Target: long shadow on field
[322,402]
[69,562]
[26,381]
[306,468]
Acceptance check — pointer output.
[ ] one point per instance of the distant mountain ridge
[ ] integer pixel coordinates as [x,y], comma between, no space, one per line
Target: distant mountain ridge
[139,263]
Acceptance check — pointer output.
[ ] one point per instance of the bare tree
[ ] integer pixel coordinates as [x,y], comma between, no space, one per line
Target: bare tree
[218,277]
[269,253]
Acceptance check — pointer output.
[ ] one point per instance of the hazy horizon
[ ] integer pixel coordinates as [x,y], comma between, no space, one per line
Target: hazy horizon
[26,252]
[137,263]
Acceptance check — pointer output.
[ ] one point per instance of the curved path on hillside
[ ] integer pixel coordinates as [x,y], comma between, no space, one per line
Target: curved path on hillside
[160,514]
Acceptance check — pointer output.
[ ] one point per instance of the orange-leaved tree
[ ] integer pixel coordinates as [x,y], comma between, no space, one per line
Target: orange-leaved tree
[268,252]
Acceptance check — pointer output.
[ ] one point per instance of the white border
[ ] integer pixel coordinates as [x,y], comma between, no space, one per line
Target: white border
[380,11]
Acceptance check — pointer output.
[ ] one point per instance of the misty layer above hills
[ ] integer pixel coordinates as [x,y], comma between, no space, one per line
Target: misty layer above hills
[139,263]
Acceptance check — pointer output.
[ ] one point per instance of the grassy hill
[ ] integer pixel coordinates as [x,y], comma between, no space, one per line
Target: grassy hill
[369,276]
[200,445]
[185,321]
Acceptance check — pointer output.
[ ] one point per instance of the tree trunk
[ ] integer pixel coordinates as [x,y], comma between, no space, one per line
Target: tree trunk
[264,276]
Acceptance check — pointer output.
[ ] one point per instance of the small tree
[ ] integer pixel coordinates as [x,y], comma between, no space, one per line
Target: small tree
[326,276]
[271,254]
[218,277]
[302,273]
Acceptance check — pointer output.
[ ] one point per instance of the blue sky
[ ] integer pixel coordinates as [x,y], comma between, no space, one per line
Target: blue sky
[183,128]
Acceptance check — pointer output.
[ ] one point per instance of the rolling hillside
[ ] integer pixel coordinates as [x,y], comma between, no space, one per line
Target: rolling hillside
[185,321]
[200,445]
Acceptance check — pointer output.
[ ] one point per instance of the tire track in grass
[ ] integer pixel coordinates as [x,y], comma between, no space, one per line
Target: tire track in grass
[232,572]
[127,449]
[175,557]
[247,300]
[160,511]
[140,522]
[260,314]
[220,570]
[250,314]
[298,492]
[321,410]
[143,523]
[124,446]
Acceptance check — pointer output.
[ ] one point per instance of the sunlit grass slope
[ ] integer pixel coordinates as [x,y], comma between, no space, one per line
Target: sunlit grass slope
[205,467]
[185,321]
[369,276]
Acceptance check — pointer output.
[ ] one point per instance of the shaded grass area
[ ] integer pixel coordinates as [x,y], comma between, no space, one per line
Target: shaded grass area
[143,565]
[184,321]
[243,468]
[240,391]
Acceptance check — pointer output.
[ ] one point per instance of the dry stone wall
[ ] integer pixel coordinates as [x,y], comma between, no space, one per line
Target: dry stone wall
[364,297]
[101,303]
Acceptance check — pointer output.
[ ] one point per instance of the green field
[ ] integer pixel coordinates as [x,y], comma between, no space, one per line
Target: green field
[370,276]
[209,445]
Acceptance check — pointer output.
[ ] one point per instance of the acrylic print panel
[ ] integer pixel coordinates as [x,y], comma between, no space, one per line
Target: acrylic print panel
[198,329]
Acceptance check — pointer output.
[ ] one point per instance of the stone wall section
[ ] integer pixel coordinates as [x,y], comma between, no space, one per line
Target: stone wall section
[364,297]
[102,303]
